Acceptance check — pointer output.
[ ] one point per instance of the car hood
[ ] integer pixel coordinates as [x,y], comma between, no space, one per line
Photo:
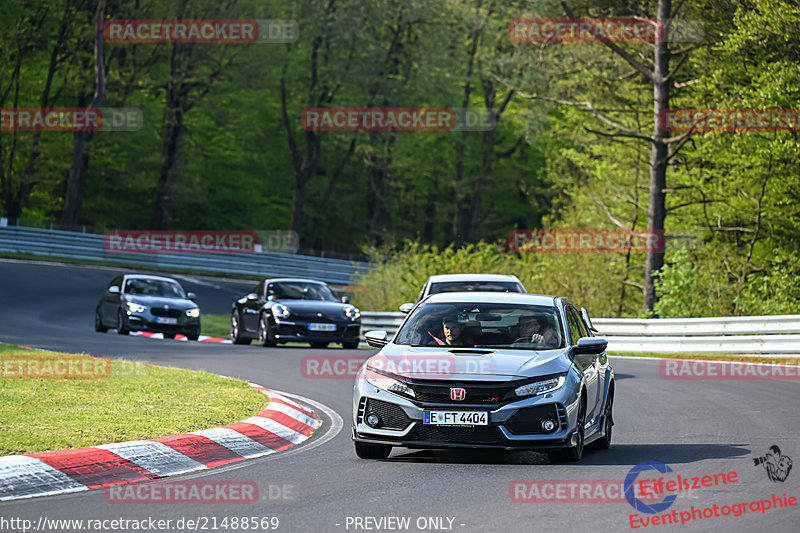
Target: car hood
[313,305]
[478,364]
[158,301]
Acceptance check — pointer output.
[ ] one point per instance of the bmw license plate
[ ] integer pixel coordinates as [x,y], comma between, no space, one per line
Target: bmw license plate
[322,327]
[165,320]
[456,418]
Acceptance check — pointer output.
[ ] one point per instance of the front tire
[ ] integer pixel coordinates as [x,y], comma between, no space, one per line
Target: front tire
[350,345]
[319,344]
[98,322]
[372,451]
[236,330]
[266,332]
[604,442]
[573,455]
[122,324]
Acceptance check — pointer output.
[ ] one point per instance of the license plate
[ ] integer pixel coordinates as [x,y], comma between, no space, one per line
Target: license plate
[322,327]
[166,320]
[456,418]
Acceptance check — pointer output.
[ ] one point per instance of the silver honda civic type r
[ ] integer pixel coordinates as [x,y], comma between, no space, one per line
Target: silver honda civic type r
[486,370]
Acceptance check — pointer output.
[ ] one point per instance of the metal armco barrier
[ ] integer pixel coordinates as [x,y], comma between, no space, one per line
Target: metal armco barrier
[89,246]
[779,334]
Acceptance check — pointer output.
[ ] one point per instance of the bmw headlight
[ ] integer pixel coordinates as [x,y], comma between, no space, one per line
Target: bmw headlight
[280,311]
[386,383]
[133,307]
[193,312]
[541,387]
[353,313]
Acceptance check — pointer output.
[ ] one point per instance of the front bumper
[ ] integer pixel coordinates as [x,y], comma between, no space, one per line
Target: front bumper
[298,331]
[147,322]
[514,425]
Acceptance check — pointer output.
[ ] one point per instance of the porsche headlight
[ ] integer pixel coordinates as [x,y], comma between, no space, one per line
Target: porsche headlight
[353,313]
[280,311]
[541,387]
[193,313]
[133,307]
[386,383]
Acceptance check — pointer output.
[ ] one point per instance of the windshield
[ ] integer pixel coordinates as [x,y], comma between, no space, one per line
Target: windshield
[299,291]
[483,286]
[485,325]
[154,287]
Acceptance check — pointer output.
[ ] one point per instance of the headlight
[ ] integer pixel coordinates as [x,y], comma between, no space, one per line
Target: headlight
[388,384]
[351,312]
[280,311]
[133,307]
[193,313]
[540,387]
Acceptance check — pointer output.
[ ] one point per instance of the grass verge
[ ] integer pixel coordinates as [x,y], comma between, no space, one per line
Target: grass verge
[133,401]
[712,357]
[217,326]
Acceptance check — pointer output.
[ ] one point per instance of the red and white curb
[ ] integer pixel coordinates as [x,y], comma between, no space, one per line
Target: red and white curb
[179,337]
[283,424]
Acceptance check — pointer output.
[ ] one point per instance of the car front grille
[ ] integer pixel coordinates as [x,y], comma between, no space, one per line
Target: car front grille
[475,393]
[160,311]
[391,416]
[470,435]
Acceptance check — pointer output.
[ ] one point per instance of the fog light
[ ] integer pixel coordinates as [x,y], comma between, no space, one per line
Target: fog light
[548,425]
[373,420]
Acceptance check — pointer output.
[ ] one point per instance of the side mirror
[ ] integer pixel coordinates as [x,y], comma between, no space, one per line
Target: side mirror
[113,289]
[377,338]
[252,296]
[345,299]
[585,315]
[406,308]
[192,296]
[590,345]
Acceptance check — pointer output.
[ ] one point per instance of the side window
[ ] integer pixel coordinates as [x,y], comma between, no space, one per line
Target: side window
[581,324]
[574,328]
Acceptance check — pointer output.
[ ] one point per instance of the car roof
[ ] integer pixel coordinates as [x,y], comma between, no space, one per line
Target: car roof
[439,278]
[493,297]
[147,276]
[301,280]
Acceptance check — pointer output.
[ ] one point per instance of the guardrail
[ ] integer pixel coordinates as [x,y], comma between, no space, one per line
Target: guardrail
[778,334]
[88,246]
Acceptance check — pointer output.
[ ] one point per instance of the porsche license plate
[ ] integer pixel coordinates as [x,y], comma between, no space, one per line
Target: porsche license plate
[456,418]
[322,327]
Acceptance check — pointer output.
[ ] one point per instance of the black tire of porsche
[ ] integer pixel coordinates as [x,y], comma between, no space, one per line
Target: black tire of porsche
[236,330]
[266,335]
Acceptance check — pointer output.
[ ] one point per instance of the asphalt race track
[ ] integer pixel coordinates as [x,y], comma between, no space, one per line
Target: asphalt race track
[696,427]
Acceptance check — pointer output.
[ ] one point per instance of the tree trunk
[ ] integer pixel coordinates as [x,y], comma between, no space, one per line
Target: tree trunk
[656,211]
[77,177]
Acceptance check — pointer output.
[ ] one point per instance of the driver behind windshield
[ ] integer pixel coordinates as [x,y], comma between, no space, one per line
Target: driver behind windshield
[536,329]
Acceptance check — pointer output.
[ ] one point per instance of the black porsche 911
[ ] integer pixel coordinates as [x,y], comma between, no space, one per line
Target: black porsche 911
[295,310]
